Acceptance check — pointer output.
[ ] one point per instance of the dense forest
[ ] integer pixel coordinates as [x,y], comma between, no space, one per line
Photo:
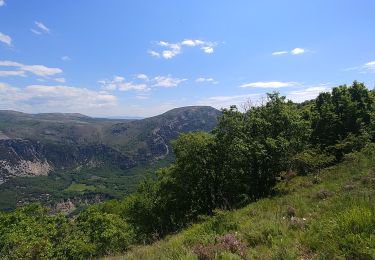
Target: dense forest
[241,161]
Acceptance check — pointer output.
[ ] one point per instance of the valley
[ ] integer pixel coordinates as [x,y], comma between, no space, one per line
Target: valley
[57,157]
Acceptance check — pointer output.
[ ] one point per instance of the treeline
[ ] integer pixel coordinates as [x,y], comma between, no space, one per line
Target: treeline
[237,163]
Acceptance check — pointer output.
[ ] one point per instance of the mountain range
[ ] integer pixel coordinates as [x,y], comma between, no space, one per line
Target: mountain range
[51,146]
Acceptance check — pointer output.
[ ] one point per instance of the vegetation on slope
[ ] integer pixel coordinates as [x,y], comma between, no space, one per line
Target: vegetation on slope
[248,157]
[110,154]
[330,215]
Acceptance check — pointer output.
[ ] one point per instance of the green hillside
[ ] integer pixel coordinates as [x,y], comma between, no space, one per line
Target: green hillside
[278,181]
[105,158]
[330,215]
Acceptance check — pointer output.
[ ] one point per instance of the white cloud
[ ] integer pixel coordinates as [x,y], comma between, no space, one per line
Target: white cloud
[279,53]
[173,49]
[206,80]
[126,86]
[154,53]
[42,27]
[189,42]
[208,49]
[2,3]
[370,66]
[118,83]
[118,79]
[365,68]
[6,73]
[39,70]
[227,101]
[269,84]
[35,31]
[170,50]
[307,93]
[297,51]
[142,77]
[5,39]
[60,80]
[142,97]
[65,58]
[140,83]
[43,98]
[167,81]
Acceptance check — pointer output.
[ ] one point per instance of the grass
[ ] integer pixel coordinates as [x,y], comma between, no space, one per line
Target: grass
[79,187]
[330,216]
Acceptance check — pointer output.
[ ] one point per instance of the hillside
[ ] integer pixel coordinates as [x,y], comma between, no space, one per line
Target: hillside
[278,181]
[322,216]
[73,155]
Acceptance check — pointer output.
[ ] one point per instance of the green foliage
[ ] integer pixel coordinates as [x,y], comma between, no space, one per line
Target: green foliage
[338,227]
[31,232]
[311,160]
[240,161]
[341,116]
[108,232]
[27,233]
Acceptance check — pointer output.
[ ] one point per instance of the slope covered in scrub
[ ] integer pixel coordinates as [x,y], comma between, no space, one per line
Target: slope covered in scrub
[319,216]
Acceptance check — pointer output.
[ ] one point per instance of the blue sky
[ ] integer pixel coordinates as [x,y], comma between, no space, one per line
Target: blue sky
[142,58]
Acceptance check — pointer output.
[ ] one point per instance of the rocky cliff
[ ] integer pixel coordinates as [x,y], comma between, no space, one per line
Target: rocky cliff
[34,145]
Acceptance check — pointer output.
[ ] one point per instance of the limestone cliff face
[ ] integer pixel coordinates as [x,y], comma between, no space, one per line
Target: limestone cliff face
[21,158]
[32,145]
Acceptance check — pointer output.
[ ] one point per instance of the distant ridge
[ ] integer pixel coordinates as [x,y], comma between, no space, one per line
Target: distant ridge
[40,144]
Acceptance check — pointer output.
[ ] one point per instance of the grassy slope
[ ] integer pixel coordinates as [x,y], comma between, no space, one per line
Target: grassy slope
[334,219]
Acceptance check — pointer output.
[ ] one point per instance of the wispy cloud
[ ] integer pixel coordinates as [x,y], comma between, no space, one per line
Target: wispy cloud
[60,80]
[307,93]
[167,81]
[6,73]
[5,39]
[206,80]
[279,53]
[140,83]
[39,70]
[153,53]
[227,101]
[35,31]
[42,98]
[65,58]
[2,3]
[295,51]
[142,77]
[170,50]
[368,67]
[40,28]
[142,96]
[119,83]
[269,84]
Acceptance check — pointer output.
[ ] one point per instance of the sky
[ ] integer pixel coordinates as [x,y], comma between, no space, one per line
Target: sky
[143,57]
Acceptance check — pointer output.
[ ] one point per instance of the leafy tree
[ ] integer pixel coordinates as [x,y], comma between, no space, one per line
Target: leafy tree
[342,116]
[108,232]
